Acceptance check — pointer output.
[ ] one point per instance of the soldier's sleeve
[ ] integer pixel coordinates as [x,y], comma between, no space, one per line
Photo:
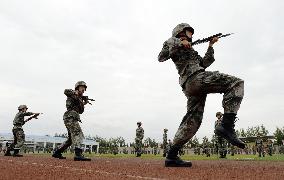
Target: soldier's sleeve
[169,47]
[208,59]
[28,114]
[69,92]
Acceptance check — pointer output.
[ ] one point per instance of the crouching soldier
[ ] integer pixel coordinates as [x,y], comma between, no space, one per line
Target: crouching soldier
[18,132]
[75,106]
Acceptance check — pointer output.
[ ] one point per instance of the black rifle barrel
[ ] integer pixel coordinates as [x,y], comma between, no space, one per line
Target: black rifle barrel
[219,35]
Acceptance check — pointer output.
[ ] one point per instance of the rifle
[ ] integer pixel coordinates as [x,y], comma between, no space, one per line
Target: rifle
[219,35]
[34,116]
[87,99]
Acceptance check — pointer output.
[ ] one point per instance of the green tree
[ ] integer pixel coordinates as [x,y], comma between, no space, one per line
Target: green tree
[279,135]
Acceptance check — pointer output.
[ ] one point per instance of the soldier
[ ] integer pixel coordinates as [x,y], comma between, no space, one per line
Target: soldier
[75,106]
[165,137]
[138,139]
[221,142]
[196,84]
[18,132]
[270,147]
[259,146]
[169,145]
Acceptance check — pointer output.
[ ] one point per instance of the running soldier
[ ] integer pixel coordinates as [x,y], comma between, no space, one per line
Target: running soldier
[138,139]
[165,137]
[221,142]
[18,132]
[196,83]
[75,104]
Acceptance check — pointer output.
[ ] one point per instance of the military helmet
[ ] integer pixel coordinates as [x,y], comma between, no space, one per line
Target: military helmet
[180,27]
[80,83]
[22,107]
[139,122]
[219,114]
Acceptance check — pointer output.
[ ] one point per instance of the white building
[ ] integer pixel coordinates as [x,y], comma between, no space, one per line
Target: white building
[48,142]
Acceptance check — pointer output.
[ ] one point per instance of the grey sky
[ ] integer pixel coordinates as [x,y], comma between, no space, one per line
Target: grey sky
[46,46]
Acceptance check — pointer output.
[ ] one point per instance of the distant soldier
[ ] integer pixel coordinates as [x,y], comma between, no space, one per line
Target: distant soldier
[169,145]
[259,146]
[270,147]
[221,142]
[138,139]
[18,132]
[196,83]
[165,137]
[75,104]
[206,149]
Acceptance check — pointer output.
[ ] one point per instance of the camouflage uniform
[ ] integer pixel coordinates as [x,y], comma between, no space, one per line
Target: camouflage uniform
[196,83]
[138,140]
[259,147]
[75,107]
[18,132]
[221,143]
[165,138]
[75,104]
[270,148]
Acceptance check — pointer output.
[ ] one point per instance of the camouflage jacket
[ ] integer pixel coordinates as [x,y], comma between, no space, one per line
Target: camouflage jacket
[74,102]
[187,61]
[19,120]
[165,138]
[140,133]
[217,122]
[258,142]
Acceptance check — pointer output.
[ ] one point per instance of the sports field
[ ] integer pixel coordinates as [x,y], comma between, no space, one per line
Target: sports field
[42,166]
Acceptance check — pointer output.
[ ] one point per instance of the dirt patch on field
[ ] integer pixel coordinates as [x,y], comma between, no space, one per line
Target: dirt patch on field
[42,167]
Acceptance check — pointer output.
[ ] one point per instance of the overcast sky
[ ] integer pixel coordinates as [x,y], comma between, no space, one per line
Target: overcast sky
[47,46]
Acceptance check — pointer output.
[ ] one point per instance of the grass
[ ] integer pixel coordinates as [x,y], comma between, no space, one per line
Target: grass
[239,157]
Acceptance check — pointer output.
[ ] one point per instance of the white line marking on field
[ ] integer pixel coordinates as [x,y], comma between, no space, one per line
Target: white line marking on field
[89,170]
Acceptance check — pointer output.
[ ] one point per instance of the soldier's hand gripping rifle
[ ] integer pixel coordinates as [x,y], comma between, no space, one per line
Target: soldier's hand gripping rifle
[219,35]
[87,100]
[35,116]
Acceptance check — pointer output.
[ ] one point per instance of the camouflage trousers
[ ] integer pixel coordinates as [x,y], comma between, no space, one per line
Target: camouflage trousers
[165,149]
[138,145]
[75,134]
[196,89]
[222,145]
[260,151]
[19,138]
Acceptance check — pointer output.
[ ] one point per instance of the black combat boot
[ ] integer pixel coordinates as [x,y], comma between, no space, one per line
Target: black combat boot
[226,129]
[58,154]
[173,160]
[79,156]
[16,153]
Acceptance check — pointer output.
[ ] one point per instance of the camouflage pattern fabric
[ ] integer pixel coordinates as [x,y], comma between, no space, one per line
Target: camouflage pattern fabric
[222,144]
[18,132]
[165,142]
[259,147]
[197,83]
[19,120]
[19,138]
[270,149]
[138,140]
[74,102]
[75,107]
